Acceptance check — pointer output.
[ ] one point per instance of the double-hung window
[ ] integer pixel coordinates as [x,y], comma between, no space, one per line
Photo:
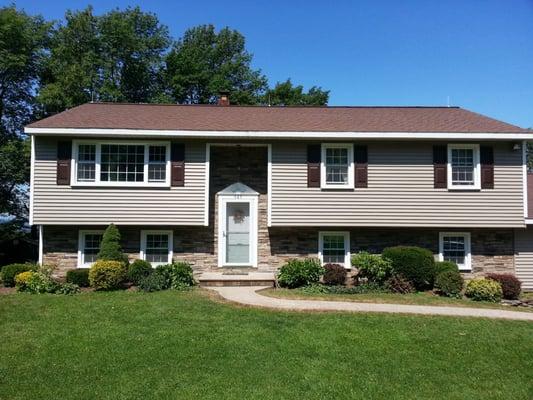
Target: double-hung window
[121,164]
[455,247]
[156,247]
[88,247]
[334,248]
[337,166]
[463,166]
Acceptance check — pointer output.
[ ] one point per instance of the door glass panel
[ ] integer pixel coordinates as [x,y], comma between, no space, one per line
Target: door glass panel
[238,233]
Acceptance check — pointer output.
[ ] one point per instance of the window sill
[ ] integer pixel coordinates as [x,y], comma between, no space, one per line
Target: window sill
[122,185]
[345,188]
[464,188]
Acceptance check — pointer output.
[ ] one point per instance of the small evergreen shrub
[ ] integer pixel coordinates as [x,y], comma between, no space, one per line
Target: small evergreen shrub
[78,276]
[107,274]
[41,282]
[398,284]
[68,288]
[415,264]
[482,289]
[152,283]
[21,280]
[138,270]
[177,275]
[441,266]
[297,273]
[11,270]
[373,267]
[110,249]
[449,283]
[334,274]
[511,285]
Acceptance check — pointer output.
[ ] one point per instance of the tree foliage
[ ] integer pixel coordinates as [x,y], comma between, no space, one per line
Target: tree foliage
[110,248]
[285,94]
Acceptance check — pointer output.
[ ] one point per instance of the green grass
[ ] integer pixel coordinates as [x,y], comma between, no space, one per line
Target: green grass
[419,298]
[185,345]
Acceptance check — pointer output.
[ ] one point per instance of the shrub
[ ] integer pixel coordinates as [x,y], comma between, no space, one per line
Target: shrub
[107,275]
[441,266]
[398,284]
[415,264]
[373,267]
[110,249]
[511,285]
[138,270]
[10,271]
[68,288]
[152,283]
[41,282]
[176,275]
[78,276]
[449,283]
[297,273]
[482,289]
[21,280]
[334,274]
[317,288]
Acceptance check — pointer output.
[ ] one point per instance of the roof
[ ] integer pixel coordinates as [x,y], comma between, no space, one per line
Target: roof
[274,119]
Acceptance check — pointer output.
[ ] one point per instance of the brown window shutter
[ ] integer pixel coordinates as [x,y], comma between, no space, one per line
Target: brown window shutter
[64,156]
[487,167]
[361,166]
[440,168]
[177,164]
[313,165]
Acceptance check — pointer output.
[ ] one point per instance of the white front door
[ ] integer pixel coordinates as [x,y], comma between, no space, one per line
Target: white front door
[237,231]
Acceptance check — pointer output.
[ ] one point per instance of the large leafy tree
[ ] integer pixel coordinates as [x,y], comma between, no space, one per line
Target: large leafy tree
[204,63]
[285,94]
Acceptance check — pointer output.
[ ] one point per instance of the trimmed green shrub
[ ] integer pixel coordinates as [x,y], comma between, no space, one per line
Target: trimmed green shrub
[334,274]
[441,266]
[138,270]
[297,273]
[153,283]
[373,267]
[78,276]
[40,282]
[449,283]
[482,289]
[21,280]
[511,285]
[107,274]
[415,264]
[68,288]
[177,275]
[398,284]
[110,249]
[11,270]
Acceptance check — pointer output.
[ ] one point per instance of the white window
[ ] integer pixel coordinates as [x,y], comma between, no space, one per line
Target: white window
[88,247]
[121,164]
[156,247]
[463,166]
[455,246]
[334,248]
[337,166]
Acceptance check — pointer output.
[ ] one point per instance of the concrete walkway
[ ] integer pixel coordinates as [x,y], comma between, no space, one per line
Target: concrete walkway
[248,295]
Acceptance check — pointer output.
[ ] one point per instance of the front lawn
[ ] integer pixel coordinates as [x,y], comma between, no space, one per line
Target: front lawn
[185,345]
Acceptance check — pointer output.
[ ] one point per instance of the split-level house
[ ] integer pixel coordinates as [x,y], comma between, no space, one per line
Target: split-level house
[226,186]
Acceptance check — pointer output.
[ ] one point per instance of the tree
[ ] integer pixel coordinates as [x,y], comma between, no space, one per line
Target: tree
[285,94]
[110,248]
[204,63]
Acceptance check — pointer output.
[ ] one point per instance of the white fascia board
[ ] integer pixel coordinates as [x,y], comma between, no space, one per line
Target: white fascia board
[92,132]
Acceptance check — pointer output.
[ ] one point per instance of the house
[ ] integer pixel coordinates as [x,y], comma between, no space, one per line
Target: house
[242,186]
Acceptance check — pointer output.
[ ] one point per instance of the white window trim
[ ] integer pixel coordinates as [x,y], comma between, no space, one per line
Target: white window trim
[477,168]
[346,235]
[81,246]
[467,266]
[344,186]
[98,182]
[170,245]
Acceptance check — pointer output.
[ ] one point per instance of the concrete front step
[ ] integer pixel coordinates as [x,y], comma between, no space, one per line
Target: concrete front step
[236,278]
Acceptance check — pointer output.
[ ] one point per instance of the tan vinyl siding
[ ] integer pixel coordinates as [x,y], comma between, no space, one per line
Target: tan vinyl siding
[55,204]
[524,257]
[400,191]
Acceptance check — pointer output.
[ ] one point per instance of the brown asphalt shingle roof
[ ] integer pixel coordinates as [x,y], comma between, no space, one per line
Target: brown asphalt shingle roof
[275,119]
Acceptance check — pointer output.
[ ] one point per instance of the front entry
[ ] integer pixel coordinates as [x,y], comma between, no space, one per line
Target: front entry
[237,226]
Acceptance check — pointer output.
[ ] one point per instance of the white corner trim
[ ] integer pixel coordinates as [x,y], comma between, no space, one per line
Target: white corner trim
[32,177]
[467,266]
[41,245]
[269,187]
[206,179]
[336,186]
[170,233]
[477,166]
[346,235]
[524,178]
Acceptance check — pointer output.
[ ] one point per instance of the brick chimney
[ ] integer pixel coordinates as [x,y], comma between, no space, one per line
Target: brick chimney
[223,99]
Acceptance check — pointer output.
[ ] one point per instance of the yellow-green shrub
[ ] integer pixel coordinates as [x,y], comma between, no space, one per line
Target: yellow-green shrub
[22,279]
[107,275]
[482,289]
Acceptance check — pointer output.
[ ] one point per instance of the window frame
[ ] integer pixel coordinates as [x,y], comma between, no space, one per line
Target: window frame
[98,162]
[346,236]
[81,245]
[477,167]
[170,234]
[323,177]
[467,266]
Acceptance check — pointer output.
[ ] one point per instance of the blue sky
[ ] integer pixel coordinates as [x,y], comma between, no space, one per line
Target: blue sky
[479,53]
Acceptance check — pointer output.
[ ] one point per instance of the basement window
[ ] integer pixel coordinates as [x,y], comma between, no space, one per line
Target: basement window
[334,248]
[156,247]
[88,247]
[455,247]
